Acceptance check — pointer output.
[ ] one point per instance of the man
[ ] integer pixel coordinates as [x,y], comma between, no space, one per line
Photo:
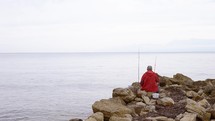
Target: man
[149,81]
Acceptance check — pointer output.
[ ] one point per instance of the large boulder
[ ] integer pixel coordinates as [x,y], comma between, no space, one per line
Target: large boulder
[110,106]
[166,101]
[194,107]
[135,87]
[125,117]
[165,81]
[189,117]
[125,93]
[98,116]
[204,103]
[183,80]
[136,107]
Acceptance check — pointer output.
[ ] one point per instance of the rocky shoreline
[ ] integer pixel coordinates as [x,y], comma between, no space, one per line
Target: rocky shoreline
[181,99]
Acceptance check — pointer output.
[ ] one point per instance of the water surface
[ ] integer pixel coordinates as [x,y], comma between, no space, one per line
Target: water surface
[61,86]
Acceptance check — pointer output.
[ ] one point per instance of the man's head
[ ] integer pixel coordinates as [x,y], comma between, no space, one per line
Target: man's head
[149,68]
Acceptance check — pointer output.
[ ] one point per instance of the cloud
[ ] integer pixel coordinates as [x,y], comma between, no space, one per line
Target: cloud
[83,25]
[194,45]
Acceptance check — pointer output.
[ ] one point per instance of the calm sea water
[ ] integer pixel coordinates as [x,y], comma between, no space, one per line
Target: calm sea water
[58,87]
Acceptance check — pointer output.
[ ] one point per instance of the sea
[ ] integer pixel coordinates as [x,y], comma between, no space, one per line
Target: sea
[63,86]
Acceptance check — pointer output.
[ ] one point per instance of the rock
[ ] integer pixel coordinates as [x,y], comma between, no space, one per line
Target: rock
[143,113]
[152,102]
[165,81]
[136,84]
[138,99]
[91,119]
[211,100]
[212,112]
[194,107]
[204,95]
[126,94]
[141,93]
[160,118]
[149,94]
[175,85]
[141,104]
[135,87]
[125,117]
[136,109]
[109,107]
[212,81]
[207,116]
[183,80]
[200,92]
[166,101]
[118,100]
[98,116]
[191,94]
[146,99]
[162,95]
[149,108]
[195,96]
[212,93]
[189,117]
[179,117]
[208,89]
[204,103]
[76,119]
[199,83]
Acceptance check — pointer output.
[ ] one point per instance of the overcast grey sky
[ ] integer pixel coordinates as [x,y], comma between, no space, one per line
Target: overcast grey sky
[106,25]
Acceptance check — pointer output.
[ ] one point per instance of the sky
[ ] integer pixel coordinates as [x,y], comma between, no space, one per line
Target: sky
[107,25]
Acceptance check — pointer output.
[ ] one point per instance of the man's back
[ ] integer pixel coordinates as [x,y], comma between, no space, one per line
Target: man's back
[149,82]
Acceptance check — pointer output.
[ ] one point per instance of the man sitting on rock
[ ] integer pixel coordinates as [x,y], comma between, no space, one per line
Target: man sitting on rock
[149,81]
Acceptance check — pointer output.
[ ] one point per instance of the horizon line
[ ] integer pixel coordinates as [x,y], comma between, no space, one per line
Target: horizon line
[107,52]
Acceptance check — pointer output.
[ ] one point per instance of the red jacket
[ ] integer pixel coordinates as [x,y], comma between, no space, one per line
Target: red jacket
[149,82]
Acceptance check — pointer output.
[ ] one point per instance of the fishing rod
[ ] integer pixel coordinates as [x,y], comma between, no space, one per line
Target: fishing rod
[155,63]
[138,64]
[157,74]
